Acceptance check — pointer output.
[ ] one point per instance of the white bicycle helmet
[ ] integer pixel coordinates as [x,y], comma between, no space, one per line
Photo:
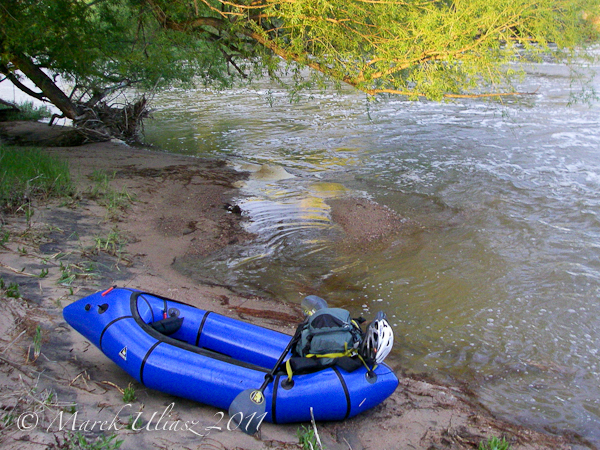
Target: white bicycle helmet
[378,340]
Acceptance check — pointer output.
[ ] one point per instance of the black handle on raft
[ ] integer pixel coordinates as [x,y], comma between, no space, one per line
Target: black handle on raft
[269,377]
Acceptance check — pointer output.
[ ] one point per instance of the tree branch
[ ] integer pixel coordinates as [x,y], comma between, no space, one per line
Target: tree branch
[49,89]
[15,80]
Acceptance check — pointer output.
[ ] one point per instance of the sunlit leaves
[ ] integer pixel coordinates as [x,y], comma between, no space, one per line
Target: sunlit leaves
[417,47]
[431,48]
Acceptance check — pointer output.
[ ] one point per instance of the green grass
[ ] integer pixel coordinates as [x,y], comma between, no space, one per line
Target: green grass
[129,394]
[495,443]
[30,112]
[307,438]
[70,272]
[112,244]
[4,235]
[9,290]
[77,441]
[27,173]
[37,342]
[114,201]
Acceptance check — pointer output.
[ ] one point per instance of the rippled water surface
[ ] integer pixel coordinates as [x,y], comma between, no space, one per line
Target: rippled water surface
[501,288]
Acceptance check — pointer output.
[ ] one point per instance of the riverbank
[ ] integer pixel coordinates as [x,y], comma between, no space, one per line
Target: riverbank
[137,211]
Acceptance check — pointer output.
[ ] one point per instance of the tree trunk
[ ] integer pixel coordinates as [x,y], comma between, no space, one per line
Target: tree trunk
[95,121]
[50,90]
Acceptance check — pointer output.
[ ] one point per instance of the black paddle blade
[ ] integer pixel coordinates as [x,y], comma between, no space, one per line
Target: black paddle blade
[247,410]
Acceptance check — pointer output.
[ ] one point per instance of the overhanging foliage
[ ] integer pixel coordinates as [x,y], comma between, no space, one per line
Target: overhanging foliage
[418,48]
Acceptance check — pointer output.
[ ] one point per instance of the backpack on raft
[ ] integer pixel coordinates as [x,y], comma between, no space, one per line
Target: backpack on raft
[329,332]
[328,337]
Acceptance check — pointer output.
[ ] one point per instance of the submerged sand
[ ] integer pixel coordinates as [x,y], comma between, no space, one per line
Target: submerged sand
[55,385]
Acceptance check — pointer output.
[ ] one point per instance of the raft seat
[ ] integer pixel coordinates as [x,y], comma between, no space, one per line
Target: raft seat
[171,325]
[167,326]
[213,332]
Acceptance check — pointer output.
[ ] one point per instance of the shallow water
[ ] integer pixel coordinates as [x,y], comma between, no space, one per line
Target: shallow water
[500,289]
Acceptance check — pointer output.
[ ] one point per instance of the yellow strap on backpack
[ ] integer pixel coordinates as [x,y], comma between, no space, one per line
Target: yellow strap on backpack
[347,352]
[288,369]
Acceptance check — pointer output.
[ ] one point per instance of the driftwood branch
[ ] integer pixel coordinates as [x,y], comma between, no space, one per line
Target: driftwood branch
[21,368]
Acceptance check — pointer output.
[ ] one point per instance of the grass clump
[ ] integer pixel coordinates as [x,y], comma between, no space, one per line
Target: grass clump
[27,173]
[77,441]
[113,200]
[37,342]
[4,236]
[9,290]
[129,394]
[495,443]
[112,243]
[70,272]
[308,439]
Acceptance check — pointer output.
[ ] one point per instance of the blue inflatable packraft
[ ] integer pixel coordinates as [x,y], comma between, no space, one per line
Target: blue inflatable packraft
[203,356]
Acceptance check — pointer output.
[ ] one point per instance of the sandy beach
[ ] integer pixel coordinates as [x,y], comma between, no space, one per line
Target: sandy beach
[55,387]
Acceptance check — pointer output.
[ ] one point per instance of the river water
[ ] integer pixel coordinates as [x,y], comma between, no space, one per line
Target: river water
[500,289]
